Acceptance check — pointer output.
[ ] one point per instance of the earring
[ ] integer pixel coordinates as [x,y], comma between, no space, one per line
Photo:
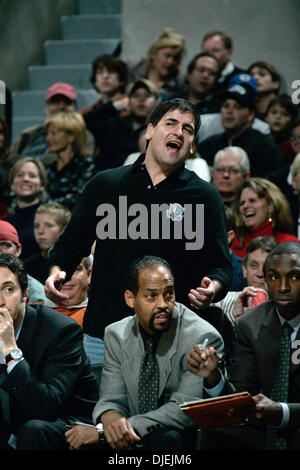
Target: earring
[270,217]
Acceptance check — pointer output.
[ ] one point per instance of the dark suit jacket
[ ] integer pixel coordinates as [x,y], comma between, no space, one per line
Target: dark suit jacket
[258,334]
[55,378]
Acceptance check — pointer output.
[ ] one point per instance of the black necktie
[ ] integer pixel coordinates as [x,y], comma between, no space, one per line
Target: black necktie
[148,386]
[280,386]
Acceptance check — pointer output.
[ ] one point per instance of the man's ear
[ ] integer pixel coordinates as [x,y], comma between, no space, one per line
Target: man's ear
[276,85]
[25,296]
[149,131]
[193,147]
[229,53]
[19,250]
[89,273]
[129,298]
[251,116]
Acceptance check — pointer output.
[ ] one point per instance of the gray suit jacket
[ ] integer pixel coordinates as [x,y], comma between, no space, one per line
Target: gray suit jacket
[123,352]
[259,333]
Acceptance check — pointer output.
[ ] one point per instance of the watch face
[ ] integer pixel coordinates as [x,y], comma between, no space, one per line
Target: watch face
[16,353]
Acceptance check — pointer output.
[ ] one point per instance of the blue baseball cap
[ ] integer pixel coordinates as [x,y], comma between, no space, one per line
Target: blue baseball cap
[243,78]
[242,88]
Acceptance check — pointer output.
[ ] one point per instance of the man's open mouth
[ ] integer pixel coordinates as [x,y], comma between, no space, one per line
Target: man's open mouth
[174,145]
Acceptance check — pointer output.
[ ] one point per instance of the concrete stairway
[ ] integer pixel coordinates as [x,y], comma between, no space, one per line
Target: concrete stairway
[95,30]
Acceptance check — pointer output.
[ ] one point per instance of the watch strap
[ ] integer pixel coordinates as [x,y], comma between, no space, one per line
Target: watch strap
[10,356]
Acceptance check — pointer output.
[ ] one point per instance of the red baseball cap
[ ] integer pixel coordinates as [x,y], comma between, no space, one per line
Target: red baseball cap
[8,232]
[61,88]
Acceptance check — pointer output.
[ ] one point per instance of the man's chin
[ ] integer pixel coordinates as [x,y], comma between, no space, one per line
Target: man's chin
[160,324]
[258,286]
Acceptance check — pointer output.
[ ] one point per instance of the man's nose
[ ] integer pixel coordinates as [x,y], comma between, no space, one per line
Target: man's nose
[260,272]
[62,105]
[2,300]
[161,302]
[205,73]
[179,131]
[284,285]
[226,173]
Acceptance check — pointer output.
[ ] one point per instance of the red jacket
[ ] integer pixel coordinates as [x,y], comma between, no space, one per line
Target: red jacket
[264,230]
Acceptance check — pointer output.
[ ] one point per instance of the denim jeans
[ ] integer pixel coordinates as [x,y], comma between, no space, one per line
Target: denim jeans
[94,349]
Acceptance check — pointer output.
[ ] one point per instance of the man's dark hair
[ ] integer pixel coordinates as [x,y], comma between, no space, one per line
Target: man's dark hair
[143,263]
[270,68]
[16,266]
[285,248]
[192,64]
[113,64]
[266,244]
[170,105]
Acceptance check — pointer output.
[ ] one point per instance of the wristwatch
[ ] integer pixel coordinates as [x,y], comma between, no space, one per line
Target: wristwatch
[14,355]
[100,430]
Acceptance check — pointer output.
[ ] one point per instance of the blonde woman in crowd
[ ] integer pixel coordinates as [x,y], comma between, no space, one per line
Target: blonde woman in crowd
[66,137]
[162,65]
[260,209]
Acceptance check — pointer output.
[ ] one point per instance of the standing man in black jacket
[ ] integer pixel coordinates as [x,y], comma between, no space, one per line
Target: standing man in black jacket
[154,206]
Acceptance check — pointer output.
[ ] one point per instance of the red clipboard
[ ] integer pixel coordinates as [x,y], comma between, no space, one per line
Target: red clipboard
[211,412]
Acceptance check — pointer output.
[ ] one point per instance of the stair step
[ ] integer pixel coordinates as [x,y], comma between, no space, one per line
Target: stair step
[42,76]
[96,30]
[75,51]
[86,7]
[91,26]
[20,123]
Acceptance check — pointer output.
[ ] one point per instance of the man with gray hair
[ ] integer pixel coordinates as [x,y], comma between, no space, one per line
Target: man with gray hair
[231,168]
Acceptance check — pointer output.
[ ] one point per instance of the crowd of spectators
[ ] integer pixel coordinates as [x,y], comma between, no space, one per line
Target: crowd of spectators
[247,149]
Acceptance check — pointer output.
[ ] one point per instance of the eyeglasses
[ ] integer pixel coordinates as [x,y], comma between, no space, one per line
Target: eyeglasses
[231,171]
[211,73]
[296,138]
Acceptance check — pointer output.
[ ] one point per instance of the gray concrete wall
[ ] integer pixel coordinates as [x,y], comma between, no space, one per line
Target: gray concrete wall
[24,27]
[261,29]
